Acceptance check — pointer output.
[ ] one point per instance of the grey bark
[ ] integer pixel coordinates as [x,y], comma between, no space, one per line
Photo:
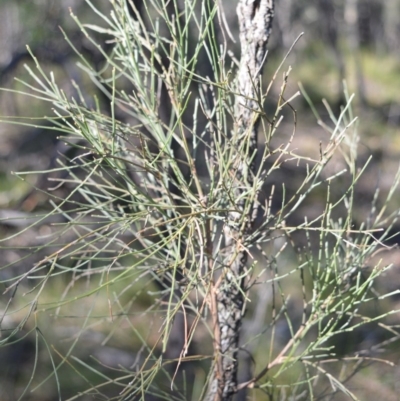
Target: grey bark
[255,22]
[391,25]
[351,18]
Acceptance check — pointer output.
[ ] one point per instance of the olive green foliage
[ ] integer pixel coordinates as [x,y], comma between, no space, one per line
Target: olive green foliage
[113,296]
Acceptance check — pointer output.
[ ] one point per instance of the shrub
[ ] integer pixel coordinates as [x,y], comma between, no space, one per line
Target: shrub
[171,217]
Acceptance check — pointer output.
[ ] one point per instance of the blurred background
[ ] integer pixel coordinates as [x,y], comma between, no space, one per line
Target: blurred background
[357,41]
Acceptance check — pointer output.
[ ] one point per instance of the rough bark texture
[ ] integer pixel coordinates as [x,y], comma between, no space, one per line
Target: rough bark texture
[255,21]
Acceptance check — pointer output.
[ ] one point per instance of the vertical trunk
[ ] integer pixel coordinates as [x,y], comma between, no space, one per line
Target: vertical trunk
[391,25]
[351,19]
[326,10]
[255,21]
[284,20]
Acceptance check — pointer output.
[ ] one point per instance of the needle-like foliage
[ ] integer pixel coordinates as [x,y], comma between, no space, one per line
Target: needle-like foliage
[170,205]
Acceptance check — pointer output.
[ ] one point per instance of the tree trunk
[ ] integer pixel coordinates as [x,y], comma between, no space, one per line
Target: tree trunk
[391,26]
[330,26]
[351,19]
[255,22]
[284,20]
